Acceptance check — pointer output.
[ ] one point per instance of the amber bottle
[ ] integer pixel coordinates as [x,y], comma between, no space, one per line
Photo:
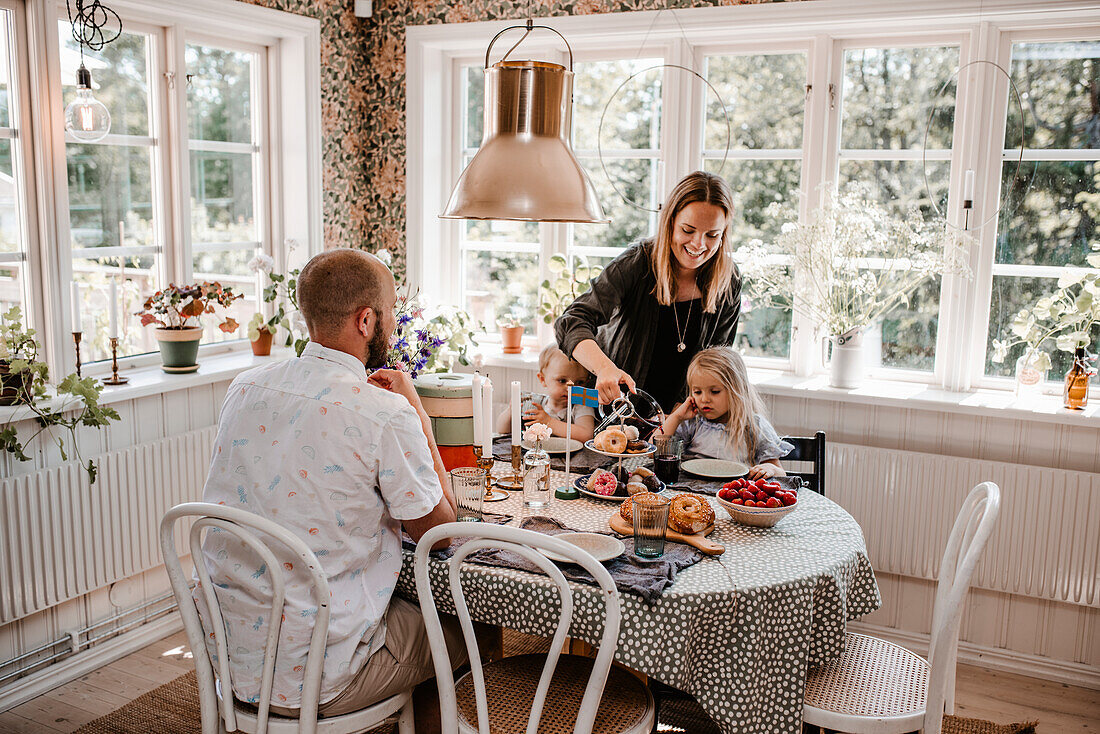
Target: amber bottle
[1076,394]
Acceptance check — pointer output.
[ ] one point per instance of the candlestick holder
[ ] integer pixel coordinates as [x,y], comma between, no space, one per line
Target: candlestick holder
[115,379]
[486,463]
[514,481]
[76,343]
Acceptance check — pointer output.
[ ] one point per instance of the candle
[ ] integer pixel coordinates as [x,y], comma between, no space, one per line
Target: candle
[487,418]
[478,407]
[112,302]
[75,305]
[517,418]
[968,186]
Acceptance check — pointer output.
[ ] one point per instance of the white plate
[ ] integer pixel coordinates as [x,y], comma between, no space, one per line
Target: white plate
[715,468]
[557,445]
[602,547]
[650,448]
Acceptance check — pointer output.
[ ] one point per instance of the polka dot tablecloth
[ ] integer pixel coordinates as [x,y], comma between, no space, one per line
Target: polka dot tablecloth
[737,631]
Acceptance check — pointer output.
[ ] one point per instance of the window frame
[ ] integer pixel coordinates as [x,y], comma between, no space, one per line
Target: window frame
[826,27]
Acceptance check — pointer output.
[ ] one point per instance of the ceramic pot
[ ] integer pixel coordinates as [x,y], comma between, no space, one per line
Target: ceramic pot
[261,347]
[511,337]
[179,348]
[847,364]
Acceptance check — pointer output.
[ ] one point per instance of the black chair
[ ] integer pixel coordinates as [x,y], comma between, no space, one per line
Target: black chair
[809,450]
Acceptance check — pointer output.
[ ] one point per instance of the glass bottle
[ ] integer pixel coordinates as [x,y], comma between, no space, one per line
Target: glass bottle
[1076,393]
[536,478]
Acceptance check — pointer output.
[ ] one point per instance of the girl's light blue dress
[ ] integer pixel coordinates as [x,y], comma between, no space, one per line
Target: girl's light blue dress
[707,438]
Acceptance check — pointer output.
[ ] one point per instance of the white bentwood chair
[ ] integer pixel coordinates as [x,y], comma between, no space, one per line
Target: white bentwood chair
[511,693]
[877,687]
[220,710]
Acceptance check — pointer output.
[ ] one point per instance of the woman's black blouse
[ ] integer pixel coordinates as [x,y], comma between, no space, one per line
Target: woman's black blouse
[668,369]
[621,313]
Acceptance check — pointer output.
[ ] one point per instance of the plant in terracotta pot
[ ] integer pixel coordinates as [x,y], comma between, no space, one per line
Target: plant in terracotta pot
[511,334]
[261,332]
[177,311]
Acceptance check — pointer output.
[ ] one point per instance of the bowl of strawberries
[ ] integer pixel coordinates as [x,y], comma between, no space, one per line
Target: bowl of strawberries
[760,503]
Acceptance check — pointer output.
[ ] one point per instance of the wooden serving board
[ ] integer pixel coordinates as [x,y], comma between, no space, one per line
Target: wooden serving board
[696,540]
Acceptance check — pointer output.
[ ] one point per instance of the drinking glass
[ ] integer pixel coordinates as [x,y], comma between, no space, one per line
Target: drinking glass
[468,485]
[666,462]
[650,526]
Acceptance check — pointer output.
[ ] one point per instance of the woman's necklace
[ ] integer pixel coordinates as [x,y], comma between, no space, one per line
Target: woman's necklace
[675,314]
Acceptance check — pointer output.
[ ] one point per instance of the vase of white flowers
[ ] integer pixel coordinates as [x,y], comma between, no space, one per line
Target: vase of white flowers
[848,267]
[536,468]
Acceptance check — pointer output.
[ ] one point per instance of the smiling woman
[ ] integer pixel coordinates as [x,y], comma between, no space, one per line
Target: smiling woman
[664,299]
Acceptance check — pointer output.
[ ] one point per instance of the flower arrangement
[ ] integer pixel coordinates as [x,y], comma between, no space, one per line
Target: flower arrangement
[27,377]
[571,278]
[851,264]
[1066,317]
[182,306]
[428,344]
[284,288]
[536,433]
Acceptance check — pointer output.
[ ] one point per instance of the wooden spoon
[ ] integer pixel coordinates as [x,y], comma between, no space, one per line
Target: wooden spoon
[696,540]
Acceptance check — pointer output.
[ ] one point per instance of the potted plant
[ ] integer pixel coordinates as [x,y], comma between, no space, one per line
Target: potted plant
[75,402]
[511,334]
[284,288]
[177,311]
[261,333]
[570,279]
[849,266]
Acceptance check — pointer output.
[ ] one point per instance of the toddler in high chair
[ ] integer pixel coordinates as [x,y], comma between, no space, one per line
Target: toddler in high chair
[556,371]
[723,416]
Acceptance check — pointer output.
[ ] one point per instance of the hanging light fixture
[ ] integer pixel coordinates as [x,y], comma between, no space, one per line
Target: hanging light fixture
[86,118]
[525,169]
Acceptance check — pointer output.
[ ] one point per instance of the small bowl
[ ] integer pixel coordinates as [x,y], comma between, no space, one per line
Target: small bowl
[759,517]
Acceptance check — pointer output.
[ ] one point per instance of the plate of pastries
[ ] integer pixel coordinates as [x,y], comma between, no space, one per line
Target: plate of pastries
[620,441]
[617,485]
[690,520]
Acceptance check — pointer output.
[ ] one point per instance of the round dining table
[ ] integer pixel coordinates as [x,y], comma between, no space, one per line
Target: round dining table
[737,631]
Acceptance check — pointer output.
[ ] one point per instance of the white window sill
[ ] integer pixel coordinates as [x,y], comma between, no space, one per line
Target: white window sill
[152,380]
[897,393]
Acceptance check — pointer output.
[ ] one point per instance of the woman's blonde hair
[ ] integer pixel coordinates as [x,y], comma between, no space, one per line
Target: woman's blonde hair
[716,275]
[726,365]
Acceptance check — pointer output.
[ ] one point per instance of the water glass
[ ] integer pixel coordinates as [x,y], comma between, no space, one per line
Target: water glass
[529,400]
[468,486]
[650,526]
[666,462]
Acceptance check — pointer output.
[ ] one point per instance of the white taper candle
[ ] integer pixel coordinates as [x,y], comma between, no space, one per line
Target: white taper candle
[112,303]
[517,418]
[487,419]
[75,305]
[968,185]
[479,383]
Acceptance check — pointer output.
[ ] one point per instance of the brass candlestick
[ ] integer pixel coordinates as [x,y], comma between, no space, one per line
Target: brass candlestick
[514,481]
[486,463]
[76,344]
[115,379]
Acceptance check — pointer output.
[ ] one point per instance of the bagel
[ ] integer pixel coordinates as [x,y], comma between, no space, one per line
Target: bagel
[689,514]
[626,510]
[612,441]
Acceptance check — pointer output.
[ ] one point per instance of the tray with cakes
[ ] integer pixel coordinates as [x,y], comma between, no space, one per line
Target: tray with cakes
[690,520]
[616,486]
[620,441]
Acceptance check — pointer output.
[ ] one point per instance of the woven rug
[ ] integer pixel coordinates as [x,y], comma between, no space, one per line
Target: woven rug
[961,725]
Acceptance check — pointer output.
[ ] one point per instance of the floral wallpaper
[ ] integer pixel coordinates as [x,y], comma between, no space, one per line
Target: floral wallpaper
[363,100]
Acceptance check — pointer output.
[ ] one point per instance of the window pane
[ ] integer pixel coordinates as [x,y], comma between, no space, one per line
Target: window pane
[120,78]
[755,185]
[1057,83]
[10,232]
[900,185]
[889,93]
[230,269]
[764,97]
[909,331]
[219,94]
[633,115]
[137,279]
[1010,294]
[222,209]
[110,195]
[1051,221]
[498,284]
[6,43]
[764,332]
[475,105]
[636,179]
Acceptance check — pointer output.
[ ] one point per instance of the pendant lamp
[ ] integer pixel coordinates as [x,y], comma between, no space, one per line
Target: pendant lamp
[525,169]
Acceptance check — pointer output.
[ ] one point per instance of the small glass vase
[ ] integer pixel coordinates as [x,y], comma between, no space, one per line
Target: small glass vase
[536,478]
[1029,379]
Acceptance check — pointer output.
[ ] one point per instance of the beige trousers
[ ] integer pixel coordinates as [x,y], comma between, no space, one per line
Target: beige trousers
[400,664]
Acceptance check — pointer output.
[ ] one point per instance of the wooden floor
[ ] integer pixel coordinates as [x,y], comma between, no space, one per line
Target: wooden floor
[1000,697]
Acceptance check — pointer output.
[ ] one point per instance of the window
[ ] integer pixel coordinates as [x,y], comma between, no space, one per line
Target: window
[889,96]
[14,270]
[1049,220]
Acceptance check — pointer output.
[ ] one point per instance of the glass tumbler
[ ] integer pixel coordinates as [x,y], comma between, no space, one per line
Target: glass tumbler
[666,462]
[468,486]
[650,526]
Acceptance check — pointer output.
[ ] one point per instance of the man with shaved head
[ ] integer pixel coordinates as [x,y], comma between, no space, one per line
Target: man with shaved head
[341,454]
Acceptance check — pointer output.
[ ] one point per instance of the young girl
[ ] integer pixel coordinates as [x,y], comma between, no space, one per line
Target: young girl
[723,416]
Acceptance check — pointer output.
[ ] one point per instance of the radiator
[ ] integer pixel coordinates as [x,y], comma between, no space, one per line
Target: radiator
[1046,543]
[61,537]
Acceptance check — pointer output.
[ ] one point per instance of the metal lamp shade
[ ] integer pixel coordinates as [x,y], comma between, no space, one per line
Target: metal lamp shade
[525,169]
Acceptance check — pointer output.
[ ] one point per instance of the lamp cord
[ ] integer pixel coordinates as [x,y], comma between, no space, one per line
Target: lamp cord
[88,23]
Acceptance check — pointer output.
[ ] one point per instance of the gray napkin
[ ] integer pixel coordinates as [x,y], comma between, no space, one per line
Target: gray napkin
[489,517]
[632,575]
[583,461]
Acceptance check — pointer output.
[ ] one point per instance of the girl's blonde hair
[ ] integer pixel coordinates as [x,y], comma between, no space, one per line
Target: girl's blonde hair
[715,277]
[725,365]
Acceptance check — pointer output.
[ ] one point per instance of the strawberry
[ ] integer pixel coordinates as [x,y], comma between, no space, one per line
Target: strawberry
[773,502]
[737,501]
[747,495]
[788,499]
[761,496]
